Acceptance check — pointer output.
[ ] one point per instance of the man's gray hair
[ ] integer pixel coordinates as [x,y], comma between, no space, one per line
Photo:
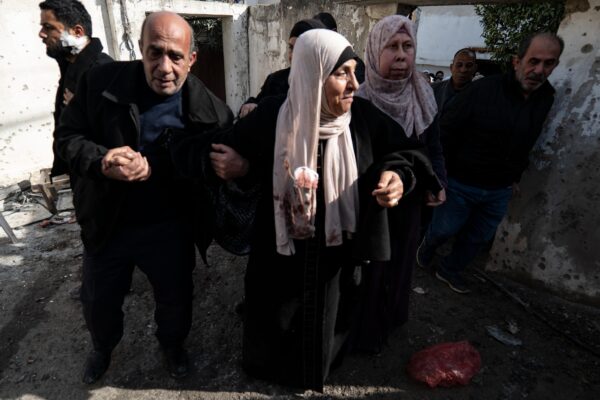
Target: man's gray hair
[526,42]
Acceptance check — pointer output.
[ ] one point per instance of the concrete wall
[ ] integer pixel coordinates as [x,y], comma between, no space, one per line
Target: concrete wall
[442,30]
[28,82]
[552,233]
[269,27]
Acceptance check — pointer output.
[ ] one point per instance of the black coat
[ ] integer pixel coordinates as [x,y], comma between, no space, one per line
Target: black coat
[104,115]
[70,73]
[276,84]
[489,128]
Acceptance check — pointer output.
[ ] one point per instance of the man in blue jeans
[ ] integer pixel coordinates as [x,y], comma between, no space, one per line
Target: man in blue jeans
[487,133]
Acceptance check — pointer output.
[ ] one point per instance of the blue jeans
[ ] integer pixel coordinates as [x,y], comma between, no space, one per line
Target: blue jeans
[472,213]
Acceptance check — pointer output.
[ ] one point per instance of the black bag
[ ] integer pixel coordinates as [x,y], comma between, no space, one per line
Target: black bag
[234,211]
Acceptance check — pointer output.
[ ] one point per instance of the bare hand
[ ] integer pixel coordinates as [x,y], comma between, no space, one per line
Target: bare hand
[306,178]
[67,96]
[389,189]
[124,164]
[247,108]
[118,156]
[227,163]
[434,200]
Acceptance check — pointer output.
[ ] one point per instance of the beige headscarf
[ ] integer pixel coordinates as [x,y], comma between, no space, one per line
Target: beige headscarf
[303,119]
[410,101]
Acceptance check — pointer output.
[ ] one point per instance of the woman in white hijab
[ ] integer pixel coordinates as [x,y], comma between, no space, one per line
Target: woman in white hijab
[329,165]
[393,84]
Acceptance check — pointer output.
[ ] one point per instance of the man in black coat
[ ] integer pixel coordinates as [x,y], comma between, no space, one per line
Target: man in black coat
[277,82]
[488,131]
[66,30]
[462,69]
[133,209]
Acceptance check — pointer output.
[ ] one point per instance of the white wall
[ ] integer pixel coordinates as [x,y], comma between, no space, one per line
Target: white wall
[28,81]
[442,31]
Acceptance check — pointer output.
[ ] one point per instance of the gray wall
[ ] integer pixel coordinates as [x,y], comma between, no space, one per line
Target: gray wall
[269,27]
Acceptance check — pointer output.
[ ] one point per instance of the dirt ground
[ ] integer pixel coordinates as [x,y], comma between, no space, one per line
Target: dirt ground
[43,340]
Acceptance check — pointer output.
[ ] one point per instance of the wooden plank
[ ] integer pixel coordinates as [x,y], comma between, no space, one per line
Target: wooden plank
[28,214]
[6,227]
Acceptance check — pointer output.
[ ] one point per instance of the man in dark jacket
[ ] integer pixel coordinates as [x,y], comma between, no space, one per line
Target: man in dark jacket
[66,30]
[277,82]
[487,133]
[462,69]
[127,197]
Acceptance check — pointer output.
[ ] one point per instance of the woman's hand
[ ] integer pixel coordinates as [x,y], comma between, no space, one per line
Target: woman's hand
[227,163]
[434,200]
[247,109]
[389,189]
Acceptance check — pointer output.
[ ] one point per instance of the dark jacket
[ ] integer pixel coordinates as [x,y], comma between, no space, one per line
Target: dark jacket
[490,127]
[431,138]
[70,73]
[379,144]
[276,84]
[104,115]
[444,93]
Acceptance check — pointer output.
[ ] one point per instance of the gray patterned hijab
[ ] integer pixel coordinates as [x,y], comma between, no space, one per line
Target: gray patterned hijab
[409,101]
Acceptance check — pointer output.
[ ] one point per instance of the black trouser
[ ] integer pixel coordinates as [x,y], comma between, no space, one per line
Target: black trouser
[165,252]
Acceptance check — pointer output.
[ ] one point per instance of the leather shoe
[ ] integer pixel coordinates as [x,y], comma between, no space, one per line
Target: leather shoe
[176,361]
[95,366]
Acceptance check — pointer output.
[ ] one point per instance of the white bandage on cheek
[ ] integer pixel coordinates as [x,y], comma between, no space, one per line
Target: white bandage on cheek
[75,43]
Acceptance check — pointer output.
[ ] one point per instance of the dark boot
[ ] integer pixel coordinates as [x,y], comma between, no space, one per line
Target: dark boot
[176,361]
[95,366]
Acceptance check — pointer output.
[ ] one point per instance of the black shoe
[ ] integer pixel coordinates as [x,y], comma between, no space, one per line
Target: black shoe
[176,361]
[455,282]
[95,366]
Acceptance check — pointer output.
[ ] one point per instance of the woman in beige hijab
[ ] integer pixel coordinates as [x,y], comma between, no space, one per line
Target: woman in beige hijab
[329,165]
[393,84]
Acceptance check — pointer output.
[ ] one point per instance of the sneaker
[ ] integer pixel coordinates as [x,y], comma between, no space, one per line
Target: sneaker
[455,282]
[422,260]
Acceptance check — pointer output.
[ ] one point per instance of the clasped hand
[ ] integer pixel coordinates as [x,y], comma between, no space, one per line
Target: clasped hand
[124,164]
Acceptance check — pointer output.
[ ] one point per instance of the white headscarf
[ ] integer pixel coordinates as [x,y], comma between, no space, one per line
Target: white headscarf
[303,119]
[409,101]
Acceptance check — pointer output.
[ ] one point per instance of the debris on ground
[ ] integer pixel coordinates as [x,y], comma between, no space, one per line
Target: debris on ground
[419,290]
[502,336]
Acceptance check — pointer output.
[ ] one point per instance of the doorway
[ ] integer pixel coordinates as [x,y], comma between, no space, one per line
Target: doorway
[209,66]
